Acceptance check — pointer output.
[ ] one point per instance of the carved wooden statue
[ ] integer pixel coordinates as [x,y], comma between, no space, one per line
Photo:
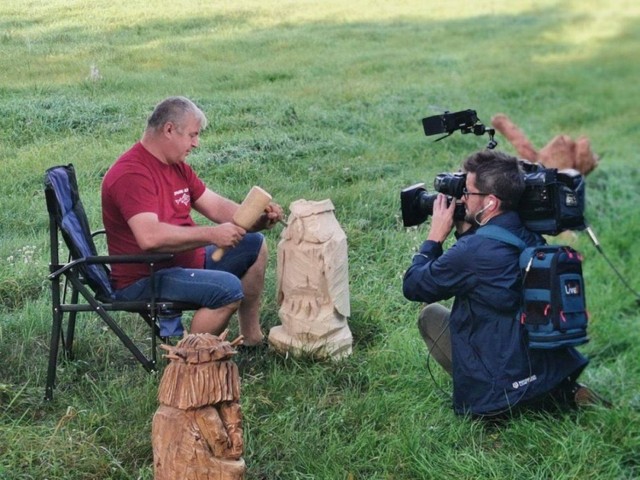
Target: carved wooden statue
[313,284]
[562,152]
[197,430]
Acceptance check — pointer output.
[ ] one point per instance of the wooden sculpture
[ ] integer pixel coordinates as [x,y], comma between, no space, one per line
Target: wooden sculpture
[562,152]
[313,284]
[248,213]
[197,430]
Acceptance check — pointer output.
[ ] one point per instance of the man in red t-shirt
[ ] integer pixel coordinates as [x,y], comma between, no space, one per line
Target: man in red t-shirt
[147,197]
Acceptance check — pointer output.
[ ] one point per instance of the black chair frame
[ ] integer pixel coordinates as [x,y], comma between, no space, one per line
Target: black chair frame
[81,284]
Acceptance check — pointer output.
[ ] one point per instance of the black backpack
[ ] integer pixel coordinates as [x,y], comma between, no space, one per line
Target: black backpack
[553,305]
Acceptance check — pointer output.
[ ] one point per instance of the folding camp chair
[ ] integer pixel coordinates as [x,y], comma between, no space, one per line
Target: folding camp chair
[85,277]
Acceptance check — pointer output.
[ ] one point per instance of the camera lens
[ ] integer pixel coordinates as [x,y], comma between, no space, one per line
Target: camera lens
[452,184]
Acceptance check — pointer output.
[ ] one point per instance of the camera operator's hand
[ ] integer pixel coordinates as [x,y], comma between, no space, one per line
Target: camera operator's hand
[441,219]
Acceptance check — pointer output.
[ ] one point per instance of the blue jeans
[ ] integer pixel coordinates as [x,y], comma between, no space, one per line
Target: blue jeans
[214,286]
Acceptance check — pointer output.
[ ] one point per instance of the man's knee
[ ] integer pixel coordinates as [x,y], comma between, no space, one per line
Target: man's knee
[435,313]
[241,259]
[433,324]
[225,289]
[433,318]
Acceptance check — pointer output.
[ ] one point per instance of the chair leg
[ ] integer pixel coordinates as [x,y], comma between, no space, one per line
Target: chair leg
[56,330]
[149,365]
[155,334]
[67,343]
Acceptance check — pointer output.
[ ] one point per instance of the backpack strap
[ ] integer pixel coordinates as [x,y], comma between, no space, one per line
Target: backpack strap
[502,235]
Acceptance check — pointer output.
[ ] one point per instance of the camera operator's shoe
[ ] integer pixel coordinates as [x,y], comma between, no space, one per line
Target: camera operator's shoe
[583,396]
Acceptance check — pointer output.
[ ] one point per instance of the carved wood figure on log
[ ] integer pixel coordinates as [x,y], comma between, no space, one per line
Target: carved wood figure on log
[197,430]
[313,284]
[562,152]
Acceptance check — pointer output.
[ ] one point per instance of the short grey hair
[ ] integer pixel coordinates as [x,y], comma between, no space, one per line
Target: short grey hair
[175,110]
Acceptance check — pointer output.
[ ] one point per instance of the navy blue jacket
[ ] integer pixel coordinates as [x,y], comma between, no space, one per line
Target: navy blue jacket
[493,368]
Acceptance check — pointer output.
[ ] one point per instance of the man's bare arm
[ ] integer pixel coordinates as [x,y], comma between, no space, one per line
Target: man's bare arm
[219,209]
[155,236]
[215,207]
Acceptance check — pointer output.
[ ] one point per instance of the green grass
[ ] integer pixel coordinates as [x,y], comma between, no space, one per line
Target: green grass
[315,100]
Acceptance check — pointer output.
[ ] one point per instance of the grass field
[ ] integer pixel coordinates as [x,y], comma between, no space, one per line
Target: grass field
[316,100]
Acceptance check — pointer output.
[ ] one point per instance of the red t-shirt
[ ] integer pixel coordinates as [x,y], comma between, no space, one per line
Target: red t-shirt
[138,182]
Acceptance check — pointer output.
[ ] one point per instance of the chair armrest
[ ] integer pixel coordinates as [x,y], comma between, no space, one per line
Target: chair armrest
[148,258]
[144,258]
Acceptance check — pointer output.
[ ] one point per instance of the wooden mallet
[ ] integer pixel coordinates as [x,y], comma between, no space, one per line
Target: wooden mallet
[248,213]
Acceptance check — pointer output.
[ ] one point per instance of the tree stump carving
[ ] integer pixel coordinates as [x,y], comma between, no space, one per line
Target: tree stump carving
[197,430]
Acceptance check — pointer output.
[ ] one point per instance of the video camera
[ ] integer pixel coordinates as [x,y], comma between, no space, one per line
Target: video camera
[553,200]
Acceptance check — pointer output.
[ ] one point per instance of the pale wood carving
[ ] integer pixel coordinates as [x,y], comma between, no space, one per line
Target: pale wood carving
[313,284]
[248,213]
[197,430]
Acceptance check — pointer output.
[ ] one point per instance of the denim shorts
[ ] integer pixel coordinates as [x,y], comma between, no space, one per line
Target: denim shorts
[214,286]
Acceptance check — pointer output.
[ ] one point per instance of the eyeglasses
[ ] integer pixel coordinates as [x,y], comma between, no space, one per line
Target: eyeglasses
[466,193]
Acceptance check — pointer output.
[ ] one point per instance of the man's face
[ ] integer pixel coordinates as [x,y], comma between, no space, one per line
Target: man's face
[183,138]
[474,201]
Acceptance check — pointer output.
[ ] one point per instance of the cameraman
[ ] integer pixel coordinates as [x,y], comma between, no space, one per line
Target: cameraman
[480,342]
